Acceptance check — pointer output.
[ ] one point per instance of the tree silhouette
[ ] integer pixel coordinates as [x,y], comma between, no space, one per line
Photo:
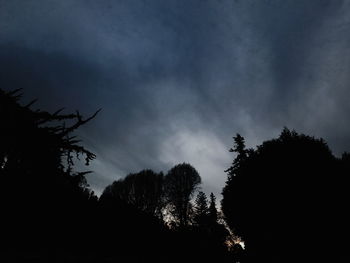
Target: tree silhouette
[179,186]
[241,151]
[143,190]
[287,199]
[213,212]
[201,211]
[50,214]
[43,197]
[281,199]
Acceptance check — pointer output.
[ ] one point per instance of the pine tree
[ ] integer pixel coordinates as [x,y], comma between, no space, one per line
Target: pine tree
[242,154]
[201,210]
[213,213]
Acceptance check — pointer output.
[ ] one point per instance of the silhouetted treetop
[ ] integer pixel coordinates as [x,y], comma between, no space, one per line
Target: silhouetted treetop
[213,212]
[143,190]
[37,150]
[27,129]
[46,201]
[201,211]
[180,184]
[281,197]
[241,154]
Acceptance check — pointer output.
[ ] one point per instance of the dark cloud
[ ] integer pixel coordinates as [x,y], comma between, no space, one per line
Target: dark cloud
[177,79]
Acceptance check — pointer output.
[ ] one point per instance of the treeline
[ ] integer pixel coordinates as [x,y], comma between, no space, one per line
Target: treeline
[181,228]
[287,199]
[50,214]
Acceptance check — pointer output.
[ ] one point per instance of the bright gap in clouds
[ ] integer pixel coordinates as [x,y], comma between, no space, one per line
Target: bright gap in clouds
[204,151]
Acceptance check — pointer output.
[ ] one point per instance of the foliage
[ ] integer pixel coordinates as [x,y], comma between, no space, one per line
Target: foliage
[201,211]
[179,186]
[142,190]
[287,199]
[42,196]
[281,198]
[213,212]
[50,214]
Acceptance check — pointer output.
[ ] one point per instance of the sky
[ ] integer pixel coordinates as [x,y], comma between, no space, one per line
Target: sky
[177,79]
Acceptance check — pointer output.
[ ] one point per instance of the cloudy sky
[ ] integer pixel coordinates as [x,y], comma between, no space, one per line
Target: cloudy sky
[177,79]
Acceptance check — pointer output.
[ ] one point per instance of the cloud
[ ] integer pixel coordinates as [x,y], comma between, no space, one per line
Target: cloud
[176,80]
[201,149]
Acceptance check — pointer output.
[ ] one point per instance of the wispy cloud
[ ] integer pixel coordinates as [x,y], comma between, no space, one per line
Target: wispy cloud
[177,79]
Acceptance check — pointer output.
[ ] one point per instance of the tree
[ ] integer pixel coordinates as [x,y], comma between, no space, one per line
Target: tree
[213,213]
[281,198]
[45,200]
[201,211]
[37,145]
[240,149]
[142,190]
[180,184]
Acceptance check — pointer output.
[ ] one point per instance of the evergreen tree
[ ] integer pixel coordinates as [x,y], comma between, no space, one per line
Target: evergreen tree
[240,149]
[201,210]
[48,205]
[213,213]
